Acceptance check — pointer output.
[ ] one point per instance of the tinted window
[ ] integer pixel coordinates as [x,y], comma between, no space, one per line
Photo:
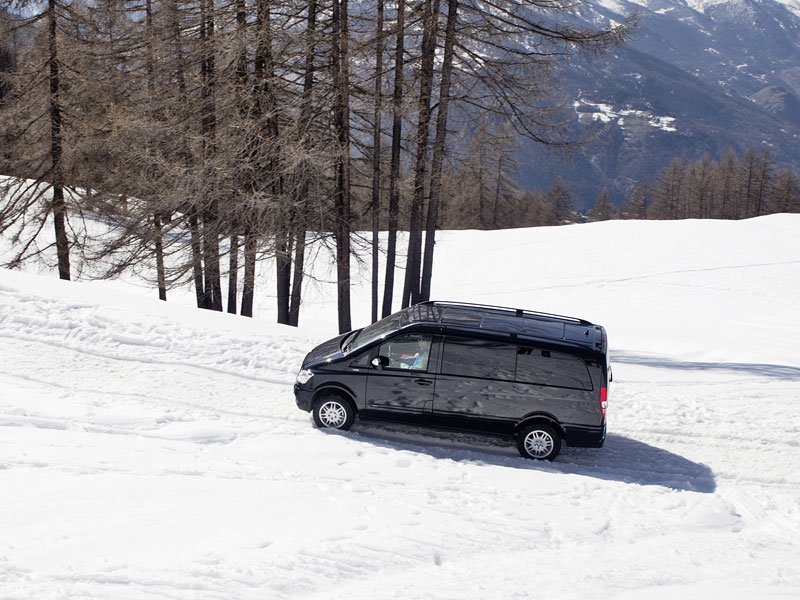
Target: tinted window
[478,358]
[409,351]
[378,330]
[361,361]
[552,368]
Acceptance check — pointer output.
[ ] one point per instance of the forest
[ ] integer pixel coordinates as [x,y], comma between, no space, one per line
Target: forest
[735,187]
[208,135]
[211,132]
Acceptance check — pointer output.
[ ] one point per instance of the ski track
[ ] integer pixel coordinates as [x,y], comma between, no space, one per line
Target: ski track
[351,557]
[186,472]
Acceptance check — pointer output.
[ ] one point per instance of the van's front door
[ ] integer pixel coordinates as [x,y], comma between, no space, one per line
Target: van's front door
[400,380]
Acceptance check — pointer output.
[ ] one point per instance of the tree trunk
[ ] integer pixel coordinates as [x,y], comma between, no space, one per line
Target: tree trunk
[213,289]
[497,188]
[233,272]
[376,158]
[342,192]
[197,259]
[157,223]
[267,109]
[411,288]
[481,189]
[160,275]
[58,206]
[438,148]
[302,201]
[248,285]
[241,80]
[191,209]
[283,272]
[212,294]
[394,172]
[180,63]
[297,276]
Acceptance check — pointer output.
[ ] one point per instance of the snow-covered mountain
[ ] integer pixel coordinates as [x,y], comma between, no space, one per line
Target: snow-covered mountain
[696,77]
[151,450]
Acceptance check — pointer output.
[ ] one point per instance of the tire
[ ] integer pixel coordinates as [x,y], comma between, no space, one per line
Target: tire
[539,441]
[332,411]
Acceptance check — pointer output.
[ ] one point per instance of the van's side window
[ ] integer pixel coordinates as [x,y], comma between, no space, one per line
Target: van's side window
[410,351]
[478,358]
[361,361]
[552,368]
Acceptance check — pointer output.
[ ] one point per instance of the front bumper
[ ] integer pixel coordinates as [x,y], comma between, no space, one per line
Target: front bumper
[303,397]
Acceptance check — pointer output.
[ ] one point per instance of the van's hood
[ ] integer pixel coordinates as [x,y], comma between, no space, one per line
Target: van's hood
[326,352]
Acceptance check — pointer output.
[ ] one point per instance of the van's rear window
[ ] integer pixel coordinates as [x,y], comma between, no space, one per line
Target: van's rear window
[552,368]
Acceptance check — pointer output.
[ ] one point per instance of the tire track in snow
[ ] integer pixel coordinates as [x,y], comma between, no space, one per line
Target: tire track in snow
[159,401]
[147,361]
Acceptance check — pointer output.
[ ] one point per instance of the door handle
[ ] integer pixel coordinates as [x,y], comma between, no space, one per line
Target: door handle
[424,382]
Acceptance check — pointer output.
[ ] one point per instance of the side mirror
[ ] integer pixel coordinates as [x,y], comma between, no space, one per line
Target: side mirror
[380,362]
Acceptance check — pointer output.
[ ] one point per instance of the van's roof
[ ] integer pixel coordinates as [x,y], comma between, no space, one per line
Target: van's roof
[516,322]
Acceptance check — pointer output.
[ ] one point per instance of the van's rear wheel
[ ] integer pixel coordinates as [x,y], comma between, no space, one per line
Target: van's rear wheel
[539,441]
[334,412]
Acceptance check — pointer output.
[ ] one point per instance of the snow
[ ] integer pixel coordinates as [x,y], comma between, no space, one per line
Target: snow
[605,113]
[666,6]
[702,5]
[614,6]
[150,450]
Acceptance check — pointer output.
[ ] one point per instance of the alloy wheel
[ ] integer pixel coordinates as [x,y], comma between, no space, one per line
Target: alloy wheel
[332,414]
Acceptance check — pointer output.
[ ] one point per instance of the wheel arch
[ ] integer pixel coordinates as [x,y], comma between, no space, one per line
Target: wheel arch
[338,389]
[540,417]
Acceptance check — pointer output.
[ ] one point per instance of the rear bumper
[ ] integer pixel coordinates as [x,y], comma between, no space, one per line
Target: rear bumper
[584,437]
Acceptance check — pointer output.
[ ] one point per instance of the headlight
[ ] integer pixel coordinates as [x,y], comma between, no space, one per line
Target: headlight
[304,375]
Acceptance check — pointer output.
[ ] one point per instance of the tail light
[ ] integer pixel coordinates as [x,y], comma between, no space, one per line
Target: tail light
[603,400]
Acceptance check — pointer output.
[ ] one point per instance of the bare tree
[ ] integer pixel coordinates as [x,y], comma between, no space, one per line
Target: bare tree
[430,26]
[603,210]
[376,153]
[670,190]
[731,188]
[342,190]
[35,123]
[561,201]
[437,159]
[394,173]
[638,202]
[786,192]
[260,122]
[304,189]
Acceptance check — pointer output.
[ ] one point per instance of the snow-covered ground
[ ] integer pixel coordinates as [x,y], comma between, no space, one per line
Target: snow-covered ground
[149,450]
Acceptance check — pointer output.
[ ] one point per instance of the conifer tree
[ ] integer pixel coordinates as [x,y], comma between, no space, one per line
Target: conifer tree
[603,210]
[561,202]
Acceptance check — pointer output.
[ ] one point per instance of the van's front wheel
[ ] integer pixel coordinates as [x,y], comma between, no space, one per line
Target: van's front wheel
[333,411]
[539,441]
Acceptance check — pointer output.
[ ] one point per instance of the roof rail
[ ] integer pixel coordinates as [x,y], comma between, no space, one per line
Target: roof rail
[519,312]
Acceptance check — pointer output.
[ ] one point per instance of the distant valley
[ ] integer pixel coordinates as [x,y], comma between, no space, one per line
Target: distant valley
[694,78]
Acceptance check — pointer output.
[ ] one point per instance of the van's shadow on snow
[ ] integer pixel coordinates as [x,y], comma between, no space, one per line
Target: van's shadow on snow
[620,459]
[770,371]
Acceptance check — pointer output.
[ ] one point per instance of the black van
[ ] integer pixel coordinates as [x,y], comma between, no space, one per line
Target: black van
[538,377]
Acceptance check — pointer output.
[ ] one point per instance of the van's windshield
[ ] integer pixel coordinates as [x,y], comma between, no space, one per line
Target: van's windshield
[378,330]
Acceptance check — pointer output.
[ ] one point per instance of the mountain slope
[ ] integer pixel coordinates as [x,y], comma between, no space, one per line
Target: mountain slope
[709,68]
[149,450]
